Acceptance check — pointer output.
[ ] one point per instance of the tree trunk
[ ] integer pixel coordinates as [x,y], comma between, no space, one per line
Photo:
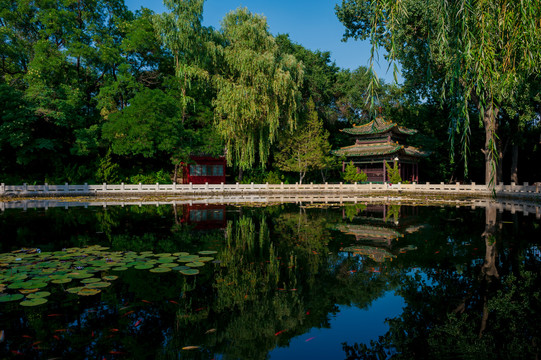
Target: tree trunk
[491,150]
[240,174]
[514,164]
[489,270]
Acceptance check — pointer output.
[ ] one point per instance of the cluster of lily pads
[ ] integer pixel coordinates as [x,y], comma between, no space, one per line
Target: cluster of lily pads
[25,273]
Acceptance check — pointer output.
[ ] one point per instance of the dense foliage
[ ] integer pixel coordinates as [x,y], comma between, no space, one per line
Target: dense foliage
[92,91]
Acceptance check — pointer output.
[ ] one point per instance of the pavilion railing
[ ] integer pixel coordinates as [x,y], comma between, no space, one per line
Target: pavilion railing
[104,189]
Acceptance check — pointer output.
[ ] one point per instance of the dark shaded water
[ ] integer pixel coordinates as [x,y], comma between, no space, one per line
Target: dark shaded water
[350,282]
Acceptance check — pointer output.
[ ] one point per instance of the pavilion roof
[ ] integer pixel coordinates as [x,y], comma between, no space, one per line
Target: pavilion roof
[378,126]
[382,148]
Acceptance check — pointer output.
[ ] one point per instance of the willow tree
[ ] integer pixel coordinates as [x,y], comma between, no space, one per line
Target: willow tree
[182,32]
[257,89]
[482,48]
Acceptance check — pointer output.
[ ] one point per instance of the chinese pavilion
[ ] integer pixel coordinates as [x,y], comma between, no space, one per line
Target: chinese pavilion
[204,169]
[380,142]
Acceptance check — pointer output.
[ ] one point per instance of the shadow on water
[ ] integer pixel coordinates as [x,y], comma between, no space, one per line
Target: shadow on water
[466,279]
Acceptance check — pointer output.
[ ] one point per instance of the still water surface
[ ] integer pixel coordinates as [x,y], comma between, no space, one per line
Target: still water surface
[285,282]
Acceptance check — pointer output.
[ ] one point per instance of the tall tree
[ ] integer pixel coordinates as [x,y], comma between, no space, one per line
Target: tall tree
[257,89]
[306,148]
[481,48]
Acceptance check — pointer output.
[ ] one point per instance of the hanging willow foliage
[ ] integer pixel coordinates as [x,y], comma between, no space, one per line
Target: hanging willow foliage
[484,48]
[257,89]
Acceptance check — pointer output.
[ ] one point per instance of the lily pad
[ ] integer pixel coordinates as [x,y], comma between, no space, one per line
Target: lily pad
[33,302]
[160,269]
[88,291]
[74,290]
[109,277]
[119,268]
[169,265]
[97,285]
[207,252]
[205,258]
[195,264]
[90,280]
[61,281]
[189,271]
[39,294]
[11,297]
[144,267]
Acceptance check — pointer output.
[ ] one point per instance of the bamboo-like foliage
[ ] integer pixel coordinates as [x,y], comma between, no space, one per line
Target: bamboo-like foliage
[257,89]
[484,48]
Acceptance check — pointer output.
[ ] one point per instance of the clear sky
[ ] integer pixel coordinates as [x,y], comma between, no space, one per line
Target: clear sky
[311,23]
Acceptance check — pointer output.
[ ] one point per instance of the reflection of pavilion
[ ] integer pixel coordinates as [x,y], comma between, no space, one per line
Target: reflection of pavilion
[376,232]
[204,216]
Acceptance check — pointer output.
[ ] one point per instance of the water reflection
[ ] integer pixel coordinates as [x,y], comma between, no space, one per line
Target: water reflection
[467,278]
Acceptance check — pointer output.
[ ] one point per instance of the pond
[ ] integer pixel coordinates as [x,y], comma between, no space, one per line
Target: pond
[363,280]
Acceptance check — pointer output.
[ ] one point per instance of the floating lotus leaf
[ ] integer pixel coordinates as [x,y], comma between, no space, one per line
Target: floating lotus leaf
[119,268]
[88,291]
[189,271]
[61,281]
[16,285]
[33,302]
[109,277]
[97,285]
[195,264]
[178,268]
[160,269]
[144,267]
[205,258]
[208,252]
[188,258]
[90,280]
[34,285]
[80,275]
[38,294]
[165,260]
[182,253]
[74,290]
[10,297]
[27,291]
[169,265]
[163,255]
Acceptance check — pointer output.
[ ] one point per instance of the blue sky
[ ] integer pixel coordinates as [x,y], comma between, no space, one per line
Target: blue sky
[311,23]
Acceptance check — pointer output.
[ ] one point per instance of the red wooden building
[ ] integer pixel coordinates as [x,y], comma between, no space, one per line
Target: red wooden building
[380,142]
[204,169]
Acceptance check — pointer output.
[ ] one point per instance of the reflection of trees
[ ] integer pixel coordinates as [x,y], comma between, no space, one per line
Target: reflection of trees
[277,279]
[480,309]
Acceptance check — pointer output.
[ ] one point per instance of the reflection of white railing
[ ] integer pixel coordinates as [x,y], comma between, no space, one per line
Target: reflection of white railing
[210,189]
[525,206]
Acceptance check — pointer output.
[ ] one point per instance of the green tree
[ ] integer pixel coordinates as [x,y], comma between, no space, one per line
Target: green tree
[307,148]
[393,173]
[352,174]
[257,89]
[481,49]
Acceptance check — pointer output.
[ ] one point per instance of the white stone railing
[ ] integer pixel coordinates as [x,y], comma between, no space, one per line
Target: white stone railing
[47,190]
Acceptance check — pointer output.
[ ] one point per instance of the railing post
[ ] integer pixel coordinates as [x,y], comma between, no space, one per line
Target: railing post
[66,187]
[282,186]
[206,185]
[191,186]
[104,186]
[157,186]
[2,188]
[86,188]
[25,188]
[252,185]
[140,187]
[370,186]
[122,186]
[267,186]
[46,187]
[222,187]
